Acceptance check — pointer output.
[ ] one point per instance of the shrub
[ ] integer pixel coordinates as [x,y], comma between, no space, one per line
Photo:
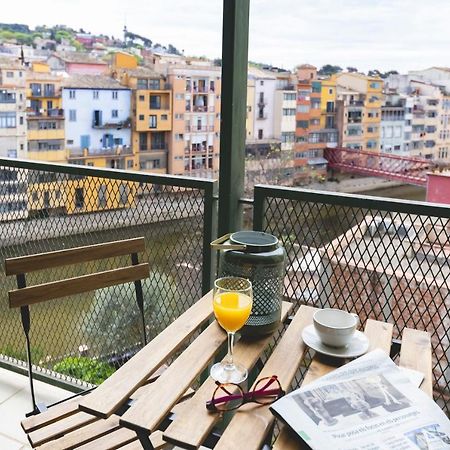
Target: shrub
[86,369]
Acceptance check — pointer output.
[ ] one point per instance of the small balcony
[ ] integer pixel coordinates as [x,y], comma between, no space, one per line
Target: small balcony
[55,113]
[98,124]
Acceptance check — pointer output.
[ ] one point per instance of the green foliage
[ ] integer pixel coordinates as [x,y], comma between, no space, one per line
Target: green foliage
[115,321]
[329,69]
[21,354]
[86,369]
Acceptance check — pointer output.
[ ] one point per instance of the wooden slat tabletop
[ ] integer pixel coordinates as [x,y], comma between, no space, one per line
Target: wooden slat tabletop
[415,353]
[193,422]
[151,408]
[251,424]
[116,390]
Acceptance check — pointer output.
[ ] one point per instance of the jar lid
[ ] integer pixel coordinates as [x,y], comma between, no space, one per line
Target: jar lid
[255,240]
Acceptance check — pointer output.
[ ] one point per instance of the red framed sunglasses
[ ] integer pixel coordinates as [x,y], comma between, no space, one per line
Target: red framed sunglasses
[229,396]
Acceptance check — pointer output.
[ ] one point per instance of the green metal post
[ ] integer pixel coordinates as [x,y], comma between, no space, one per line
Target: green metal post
[233,110]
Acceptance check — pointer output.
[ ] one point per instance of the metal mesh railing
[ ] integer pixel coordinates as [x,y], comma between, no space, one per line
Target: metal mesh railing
[383,259]
[46,207]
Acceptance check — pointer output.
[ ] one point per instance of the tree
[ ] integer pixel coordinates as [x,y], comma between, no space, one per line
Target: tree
[374,73]
[329,69]
[115,320]
[352,69]
[218,62]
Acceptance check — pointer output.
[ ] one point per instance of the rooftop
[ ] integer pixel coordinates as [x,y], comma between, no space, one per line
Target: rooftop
[92,82]
[79,57]
[141,72]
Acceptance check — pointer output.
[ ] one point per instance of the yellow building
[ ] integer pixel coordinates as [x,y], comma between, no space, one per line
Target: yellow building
[87,194]
[151,104]
[45,116]
[328,103]
[361,96]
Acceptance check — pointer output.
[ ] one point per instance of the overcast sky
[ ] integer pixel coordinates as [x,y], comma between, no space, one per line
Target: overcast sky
[367,34]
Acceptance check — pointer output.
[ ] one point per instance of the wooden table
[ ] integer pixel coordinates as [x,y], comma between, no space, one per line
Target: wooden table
[104,418]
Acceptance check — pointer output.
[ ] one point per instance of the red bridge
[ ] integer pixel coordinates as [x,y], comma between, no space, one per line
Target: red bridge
[402,168]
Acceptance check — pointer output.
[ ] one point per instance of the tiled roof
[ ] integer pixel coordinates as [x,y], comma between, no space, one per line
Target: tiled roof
[92,82]
[79,57]
[10,63]
[142,72]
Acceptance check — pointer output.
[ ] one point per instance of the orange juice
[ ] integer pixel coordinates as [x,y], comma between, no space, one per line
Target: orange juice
[232,310]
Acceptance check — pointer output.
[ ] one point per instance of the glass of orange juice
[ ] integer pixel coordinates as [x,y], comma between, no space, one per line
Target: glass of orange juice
[232,304]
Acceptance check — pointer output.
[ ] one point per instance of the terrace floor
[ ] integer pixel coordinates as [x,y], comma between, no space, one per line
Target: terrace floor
[15,402]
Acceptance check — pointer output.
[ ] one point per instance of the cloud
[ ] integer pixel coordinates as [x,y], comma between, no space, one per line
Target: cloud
[383,34]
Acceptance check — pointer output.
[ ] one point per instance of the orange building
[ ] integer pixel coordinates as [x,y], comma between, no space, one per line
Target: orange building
[309,146]
[151,105]
[195,145]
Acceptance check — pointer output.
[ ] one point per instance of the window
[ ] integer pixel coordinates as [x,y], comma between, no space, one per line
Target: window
[21,120]
[115,95]
[371,144]
[330,107]
[7,120]
[287,136]
[7,97]
[9,74]
[72,115]
[114,113]
[72,93]
[130,164]
[288,111]
[143,142]
[141,117]
[302,124]
[289,96]
[12,153]
[329,123]
[179,136]
[152,121]
[155,102]
[375,85]
[303,108]
[260,134]
[316,86]
[21,146]
[179,116]
[142,83]
[330,91]
[179,96]
[261,83]
[142,98]
[163,116]
[315,103]
[69,141]
[153,83]
[303,94]
[95,95]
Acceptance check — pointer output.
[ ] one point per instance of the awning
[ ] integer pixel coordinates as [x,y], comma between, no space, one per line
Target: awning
[317,161]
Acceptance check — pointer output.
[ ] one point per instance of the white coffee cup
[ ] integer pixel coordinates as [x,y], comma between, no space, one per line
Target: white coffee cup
[334,326]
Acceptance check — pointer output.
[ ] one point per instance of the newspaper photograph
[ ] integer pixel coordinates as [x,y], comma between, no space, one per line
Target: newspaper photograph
[367,404]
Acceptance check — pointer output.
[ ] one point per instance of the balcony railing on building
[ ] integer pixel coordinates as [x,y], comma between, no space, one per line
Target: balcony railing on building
[56,113]
[99,124]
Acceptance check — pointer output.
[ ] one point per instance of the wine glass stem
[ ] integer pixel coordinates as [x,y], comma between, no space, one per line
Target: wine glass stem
[230,349]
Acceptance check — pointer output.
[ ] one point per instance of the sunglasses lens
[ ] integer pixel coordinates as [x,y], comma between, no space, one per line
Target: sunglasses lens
[228,397]
[267,390]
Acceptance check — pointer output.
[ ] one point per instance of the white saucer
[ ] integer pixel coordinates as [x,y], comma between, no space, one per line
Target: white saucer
[357,346]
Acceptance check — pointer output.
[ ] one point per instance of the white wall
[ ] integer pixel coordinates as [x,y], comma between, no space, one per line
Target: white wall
[268,87]
[85,105]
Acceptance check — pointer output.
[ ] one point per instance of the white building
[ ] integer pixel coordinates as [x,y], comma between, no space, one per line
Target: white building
[285,106]
[97,111]
[396,124]
[13,124]
[264,105]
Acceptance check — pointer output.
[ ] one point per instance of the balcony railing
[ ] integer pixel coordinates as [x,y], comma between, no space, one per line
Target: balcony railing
[117,150]
[382,259]
[98,124]
[56,113]
[71,205]
[199,109]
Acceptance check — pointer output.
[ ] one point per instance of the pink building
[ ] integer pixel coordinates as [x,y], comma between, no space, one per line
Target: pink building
[77,63]
[438,188]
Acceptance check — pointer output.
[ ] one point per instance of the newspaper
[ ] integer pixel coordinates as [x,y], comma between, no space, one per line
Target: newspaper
[367,404]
